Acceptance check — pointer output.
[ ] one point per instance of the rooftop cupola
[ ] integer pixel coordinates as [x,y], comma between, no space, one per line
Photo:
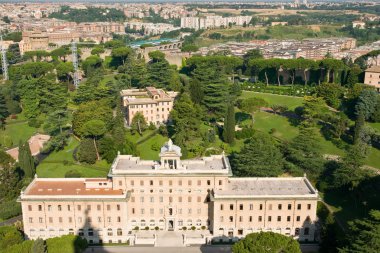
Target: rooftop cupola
[170,156]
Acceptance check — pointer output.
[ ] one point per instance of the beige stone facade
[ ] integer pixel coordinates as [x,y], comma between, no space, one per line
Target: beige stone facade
[154,104]
[372,77]
[170,194]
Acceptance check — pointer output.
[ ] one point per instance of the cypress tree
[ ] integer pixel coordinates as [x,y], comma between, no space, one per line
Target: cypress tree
[26,159]
[229,125]
[359,123]
[3,111]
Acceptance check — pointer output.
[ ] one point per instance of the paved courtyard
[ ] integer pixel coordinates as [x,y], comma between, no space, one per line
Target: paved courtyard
[136,249]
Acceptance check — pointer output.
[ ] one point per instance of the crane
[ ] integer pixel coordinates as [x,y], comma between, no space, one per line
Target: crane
[4,64]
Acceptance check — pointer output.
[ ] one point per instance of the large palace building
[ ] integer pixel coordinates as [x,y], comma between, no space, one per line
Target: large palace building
[169,195]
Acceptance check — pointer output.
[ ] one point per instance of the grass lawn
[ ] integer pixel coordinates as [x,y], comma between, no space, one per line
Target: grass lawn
[54,165]
[375,126]
[17,131]
[146,149]
[290,102]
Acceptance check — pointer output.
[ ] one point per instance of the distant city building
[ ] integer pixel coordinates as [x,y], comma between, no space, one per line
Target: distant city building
[154,104]
[372,77]
[358,24]
[151,28]
[170,195]
[213,21]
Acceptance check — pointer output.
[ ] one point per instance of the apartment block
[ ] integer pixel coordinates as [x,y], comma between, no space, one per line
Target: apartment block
[154,104]
[169,195]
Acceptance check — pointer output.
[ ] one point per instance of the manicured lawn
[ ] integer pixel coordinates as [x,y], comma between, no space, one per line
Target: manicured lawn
[17,131]
[58,163]
[374,158]
[283,129]
[146,148]
[290,102]
[375,126]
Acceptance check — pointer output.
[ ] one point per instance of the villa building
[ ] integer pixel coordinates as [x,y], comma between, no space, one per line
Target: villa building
[154,104]
[170,195]
[372,77]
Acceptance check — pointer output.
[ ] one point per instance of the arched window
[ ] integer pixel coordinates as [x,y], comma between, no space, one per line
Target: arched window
[152,223]
[189,222]
[109,232]
[119,232]
[180,223]
[134,223]
[198,223]
[143,223]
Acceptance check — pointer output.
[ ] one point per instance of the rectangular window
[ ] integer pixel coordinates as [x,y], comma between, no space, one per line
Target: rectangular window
[279,206]
[250,218]
[189,211]
[40,208]
[199,211]
[299,207]
[231,207]
[261,206]
[151,182]
[68,207]
[241,207]
[120,183]
[133,211]
[260,218]
[30,220]
[109,219]
[118,207]
[79,207]
[151,211]
[250,206]
[298,218]
[99,219]
[288,218]
[270,207]
[199,182]
[60,219]
[118,219]
[180,182]
[231,218]
[151,199]
[161,199]
[160,183]
[199,199]
[240,218]
[289,206]
[269,218]
[29,208]
[142,199]
[49,208]
[50,219]
[170,182]
[221,207]
[142,211]
[208,182]
[141,183]
[221,219]
[278,218]
[189,183]
[98,207]
[40,220]
[180,199]
[132,183]
[88,207]
[306,231]
[308,206]
[220,182]
[189,199]
[70,219]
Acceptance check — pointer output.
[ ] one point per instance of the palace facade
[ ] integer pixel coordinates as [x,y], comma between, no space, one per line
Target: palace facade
[170,194]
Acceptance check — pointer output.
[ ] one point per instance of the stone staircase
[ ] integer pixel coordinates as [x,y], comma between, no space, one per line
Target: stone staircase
[169,239]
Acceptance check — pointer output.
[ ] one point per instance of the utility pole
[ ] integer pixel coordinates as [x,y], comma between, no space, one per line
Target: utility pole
[74,54]
[4,64]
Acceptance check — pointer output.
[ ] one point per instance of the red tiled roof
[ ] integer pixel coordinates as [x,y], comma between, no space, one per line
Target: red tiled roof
[74,187]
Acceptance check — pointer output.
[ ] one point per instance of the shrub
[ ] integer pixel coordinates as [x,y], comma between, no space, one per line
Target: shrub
[136,228]
[244,133]
[156,228]
[152,126]
[272,130]
[155,146]
[9,209]
[146,228]
[184,228]
[9,236]
[203,227]
[24,247]
[34,122]
[193,228]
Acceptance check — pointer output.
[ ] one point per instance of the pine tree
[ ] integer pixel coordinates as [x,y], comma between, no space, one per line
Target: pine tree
[3,111]
[229,125]
[87,151]
[26,159]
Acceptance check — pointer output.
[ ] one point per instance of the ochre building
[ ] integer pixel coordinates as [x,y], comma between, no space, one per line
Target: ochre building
[170,195]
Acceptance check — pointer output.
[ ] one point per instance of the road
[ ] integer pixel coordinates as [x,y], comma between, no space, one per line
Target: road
[11,221]
[137,249]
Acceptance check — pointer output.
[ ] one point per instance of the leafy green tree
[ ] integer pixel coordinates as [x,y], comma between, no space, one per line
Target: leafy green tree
[3,111]
[189,48]
[94,129]
[137,70]
[61,53]
[73,174]
[304,151]
[9,236]
[186,117]
[252,105]
[366,104]
[260,157]
[229,125]
[97,51]
[67,244]
[9,178]
[353,75]
[350,172]
[91,64]
[313,109]
[359,124]
[26,160]
[39,246]
[55,122]
[331,92]
[268,242]
[376,113]
[63,70]
[121,54]
[87,152]
[159,71]
[364,235]
[139,123]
